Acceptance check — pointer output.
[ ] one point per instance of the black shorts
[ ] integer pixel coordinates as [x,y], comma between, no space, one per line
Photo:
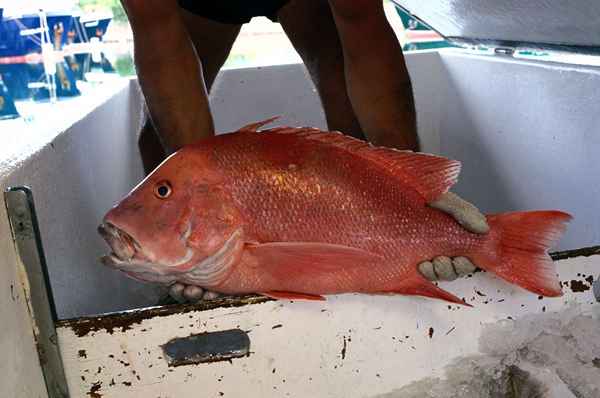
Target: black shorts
[235,12]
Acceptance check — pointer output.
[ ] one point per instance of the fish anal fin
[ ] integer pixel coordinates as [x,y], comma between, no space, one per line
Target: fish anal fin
[430,175]
[280,295]
[419,286]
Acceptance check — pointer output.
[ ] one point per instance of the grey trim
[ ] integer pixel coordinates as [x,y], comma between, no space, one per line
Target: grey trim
[28,245]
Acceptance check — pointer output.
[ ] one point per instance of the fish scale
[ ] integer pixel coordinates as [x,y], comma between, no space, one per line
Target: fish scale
[332,196]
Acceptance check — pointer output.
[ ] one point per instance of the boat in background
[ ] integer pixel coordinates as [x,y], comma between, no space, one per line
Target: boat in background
[7,104]
[47,46]
[418,35]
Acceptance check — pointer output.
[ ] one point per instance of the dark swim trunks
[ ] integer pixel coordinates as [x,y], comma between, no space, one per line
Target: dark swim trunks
[235,12]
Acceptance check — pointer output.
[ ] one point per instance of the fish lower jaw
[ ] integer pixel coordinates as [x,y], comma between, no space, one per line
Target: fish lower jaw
[141,271]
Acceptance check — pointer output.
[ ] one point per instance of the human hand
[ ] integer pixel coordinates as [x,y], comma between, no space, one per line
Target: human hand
[444,268]
[190,293]
[463,212]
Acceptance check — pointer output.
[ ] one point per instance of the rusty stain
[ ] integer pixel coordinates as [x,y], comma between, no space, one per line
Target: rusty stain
[345,346]
[583,252]
[41,352]
[430,332]
[82,354]
[94,390]
[579,286]
[124,321]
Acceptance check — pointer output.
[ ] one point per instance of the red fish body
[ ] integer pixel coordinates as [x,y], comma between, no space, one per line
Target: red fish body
[304,213]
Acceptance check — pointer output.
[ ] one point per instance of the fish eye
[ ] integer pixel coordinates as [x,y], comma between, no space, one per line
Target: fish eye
[163,190]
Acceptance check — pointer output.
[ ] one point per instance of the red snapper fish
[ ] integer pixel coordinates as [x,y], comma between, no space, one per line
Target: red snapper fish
[302,213]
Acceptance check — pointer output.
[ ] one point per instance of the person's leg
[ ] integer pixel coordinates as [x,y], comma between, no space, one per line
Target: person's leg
[211,42]
[151,148]
[312,31]
[379,86]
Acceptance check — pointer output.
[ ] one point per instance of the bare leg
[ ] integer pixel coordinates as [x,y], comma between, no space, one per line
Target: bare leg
[378,82]
[151,149]
[169,58]
[312,31]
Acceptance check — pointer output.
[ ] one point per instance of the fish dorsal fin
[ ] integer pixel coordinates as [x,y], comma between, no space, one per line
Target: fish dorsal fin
[253,127]
[430,175]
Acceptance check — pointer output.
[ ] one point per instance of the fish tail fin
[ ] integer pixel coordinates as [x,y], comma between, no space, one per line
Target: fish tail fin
[517,250]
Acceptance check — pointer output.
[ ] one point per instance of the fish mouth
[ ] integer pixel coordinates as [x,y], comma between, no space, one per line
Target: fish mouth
[127,256]
[124,246]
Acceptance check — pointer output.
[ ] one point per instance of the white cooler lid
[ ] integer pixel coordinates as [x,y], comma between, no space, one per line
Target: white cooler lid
[568,25]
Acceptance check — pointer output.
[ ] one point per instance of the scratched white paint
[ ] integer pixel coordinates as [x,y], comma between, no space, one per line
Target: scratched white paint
[348,346]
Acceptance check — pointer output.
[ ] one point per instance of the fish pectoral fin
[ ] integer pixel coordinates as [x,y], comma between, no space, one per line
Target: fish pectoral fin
[279,295]
[289,260]
[419,286]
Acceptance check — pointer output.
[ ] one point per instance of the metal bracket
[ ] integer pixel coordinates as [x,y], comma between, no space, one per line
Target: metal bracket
[207,347]
[506,51]
[38,295]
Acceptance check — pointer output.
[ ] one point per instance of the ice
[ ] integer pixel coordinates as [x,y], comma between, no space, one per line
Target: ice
[549,355]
